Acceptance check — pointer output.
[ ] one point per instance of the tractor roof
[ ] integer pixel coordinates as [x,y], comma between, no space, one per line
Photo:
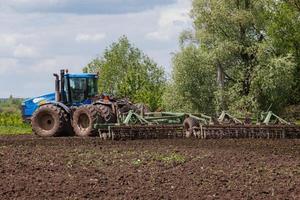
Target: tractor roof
[81,75]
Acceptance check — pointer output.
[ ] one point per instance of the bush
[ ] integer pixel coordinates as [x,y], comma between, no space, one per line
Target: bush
[10,119]
[12,123]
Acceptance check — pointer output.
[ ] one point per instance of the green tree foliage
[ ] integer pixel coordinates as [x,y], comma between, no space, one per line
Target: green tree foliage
[284,32]
[126,71]
[174,101]
[10,105]
[194,82]
[231,43]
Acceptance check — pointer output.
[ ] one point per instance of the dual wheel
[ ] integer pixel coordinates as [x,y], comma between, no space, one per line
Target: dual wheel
[50,120]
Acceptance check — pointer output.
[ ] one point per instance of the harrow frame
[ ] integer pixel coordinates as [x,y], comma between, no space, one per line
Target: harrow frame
[170,125]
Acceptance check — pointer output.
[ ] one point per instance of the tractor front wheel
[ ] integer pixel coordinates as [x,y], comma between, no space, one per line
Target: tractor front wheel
[49,120]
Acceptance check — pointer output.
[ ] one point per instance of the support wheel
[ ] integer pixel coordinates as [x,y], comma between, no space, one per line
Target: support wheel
[188,125]
[84,119]
[49,121]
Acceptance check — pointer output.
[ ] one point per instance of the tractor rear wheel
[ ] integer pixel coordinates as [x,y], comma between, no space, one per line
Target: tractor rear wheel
[49,120]
[107,114]
[188,125]
[84,119]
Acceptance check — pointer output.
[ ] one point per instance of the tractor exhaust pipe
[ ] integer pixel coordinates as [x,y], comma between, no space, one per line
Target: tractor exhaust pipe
[62,85]
[57,91]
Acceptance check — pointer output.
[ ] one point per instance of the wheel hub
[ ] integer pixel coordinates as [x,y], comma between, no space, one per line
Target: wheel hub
[46,122]
[83,121]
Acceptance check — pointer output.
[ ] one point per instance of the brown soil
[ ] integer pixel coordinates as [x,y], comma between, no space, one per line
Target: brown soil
[77,168]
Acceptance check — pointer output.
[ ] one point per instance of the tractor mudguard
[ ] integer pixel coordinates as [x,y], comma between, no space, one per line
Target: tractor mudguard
[61,105]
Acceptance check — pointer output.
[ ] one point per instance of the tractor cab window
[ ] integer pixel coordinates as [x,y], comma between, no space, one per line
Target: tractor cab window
[78,89]
[92,87]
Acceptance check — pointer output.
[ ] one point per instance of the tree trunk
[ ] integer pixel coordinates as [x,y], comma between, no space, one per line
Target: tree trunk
[221,84]
[220,78]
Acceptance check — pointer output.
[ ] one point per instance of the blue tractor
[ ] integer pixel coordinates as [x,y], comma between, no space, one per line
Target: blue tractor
[73,108]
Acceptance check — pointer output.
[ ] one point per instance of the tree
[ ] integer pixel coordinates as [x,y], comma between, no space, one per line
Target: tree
[173,101]
[194,80]
[231,31]
[126,71]
[232,47]
[284,33]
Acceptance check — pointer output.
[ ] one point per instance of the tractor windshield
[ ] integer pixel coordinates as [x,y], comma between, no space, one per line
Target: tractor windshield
[81,89]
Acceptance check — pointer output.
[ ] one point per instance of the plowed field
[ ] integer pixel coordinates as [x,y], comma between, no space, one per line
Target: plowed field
[77,168]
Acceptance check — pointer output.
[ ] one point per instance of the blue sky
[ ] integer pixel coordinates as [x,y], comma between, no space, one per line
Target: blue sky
[38,37]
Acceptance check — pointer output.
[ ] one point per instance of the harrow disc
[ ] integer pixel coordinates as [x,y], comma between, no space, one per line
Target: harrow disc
[133,132]
[247,131]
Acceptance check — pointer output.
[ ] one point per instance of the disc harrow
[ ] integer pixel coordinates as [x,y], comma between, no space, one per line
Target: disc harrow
[175,125]
[141,132]
[247,131]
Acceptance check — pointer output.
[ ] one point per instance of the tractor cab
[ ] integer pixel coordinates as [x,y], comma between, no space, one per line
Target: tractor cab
[75,89]
[79,88]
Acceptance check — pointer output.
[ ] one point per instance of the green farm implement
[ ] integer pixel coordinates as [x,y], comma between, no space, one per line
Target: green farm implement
[180,125]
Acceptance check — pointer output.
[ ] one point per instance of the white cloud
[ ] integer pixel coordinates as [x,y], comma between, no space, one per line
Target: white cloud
[22,51]
[172,20]
[7,65]
[16,45]
[47,65]
[90,37]
[159,35]
[7,40]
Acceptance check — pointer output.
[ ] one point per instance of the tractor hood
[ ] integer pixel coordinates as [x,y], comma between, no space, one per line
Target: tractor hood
[30,105]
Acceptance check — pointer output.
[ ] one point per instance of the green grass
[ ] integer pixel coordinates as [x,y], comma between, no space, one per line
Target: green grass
[137,162]
[166,158]
[15,130]
[170,158]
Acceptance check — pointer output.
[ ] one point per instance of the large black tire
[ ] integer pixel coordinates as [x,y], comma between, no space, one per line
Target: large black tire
[49,121]
[107,114]
[84,119]
[68,131]
[188,125]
